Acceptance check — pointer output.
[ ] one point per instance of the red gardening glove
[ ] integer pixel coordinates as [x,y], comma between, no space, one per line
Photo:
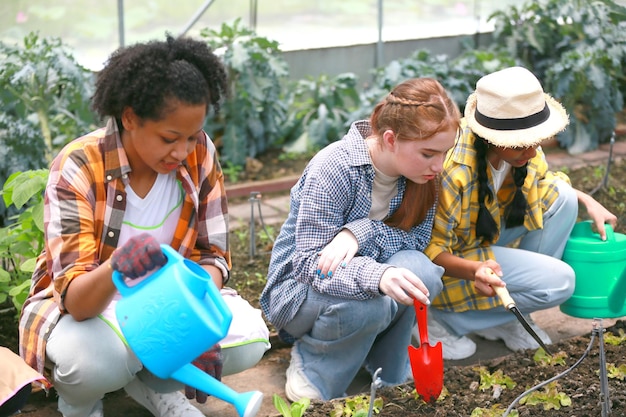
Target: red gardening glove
[139,255]
[211,363]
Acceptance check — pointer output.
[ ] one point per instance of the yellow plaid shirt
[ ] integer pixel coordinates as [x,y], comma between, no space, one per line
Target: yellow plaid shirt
[85,201]
[454,230]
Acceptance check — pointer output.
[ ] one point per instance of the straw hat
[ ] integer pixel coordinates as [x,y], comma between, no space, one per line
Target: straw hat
[509,109]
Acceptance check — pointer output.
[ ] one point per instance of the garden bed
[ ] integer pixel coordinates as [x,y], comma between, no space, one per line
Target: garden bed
[581,385]
[578,393]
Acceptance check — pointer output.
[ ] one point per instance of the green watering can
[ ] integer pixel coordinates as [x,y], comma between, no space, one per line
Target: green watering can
[600,268]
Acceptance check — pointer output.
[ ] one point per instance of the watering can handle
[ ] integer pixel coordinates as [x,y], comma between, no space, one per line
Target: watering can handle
[610,234]
[125,290]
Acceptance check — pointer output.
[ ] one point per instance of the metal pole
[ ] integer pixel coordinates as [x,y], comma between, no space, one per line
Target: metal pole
[120,21]
[477,16]
[254,197]
[379,45]
[604,381]
[253,14]
[196,17]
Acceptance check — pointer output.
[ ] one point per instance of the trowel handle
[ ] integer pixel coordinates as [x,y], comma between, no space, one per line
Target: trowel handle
[505,297]
[421,315]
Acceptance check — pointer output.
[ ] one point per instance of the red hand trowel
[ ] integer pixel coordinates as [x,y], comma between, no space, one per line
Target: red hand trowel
[427,360]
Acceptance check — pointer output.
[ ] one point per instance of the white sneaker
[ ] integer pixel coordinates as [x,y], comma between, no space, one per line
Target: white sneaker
[514,335]
[97,410]
[169,404]
[297,385]
[454,347]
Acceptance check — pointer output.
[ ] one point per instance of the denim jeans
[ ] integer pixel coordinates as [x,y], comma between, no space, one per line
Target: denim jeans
[534,273]
[335,337]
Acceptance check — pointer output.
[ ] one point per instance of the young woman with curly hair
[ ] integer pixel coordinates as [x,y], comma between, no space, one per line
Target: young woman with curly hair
[150,176]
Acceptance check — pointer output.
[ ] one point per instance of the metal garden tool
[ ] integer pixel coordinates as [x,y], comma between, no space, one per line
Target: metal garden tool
[604,381]
[427,360]
[510,305]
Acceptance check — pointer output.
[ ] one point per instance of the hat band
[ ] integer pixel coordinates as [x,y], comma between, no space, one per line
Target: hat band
[513,124]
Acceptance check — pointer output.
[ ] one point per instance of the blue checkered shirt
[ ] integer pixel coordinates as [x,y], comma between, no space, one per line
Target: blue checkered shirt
[333,193]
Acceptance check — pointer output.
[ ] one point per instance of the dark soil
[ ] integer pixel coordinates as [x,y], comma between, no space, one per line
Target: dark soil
[462,383]
[466,395]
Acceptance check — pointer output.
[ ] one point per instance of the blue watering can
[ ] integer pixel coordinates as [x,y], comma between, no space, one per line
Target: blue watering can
[172,317]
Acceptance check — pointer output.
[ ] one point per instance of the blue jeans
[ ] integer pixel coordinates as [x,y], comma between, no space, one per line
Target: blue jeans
[535,276]
[335,337]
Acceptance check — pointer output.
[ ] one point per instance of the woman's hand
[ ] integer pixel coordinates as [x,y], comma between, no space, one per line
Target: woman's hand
[487,276]
[338,253]
[139,255]
[210,362]
[598,213]
[403,286]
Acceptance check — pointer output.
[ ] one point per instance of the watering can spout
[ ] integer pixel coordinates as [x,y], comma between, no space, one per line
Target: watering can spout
[247,403]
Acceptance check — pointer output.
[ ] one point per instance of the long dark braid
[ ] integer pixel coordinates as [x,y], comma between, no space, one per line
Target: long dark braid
[516,211]
[486,226]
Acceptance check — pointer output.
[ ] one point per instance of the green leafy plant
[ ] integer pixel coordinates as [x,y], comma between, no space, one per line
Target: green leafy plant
[232,172]
[21,241]
[550,398]
[356,406]
[543,359]
[251,118]
[616,372]
[297,408]
[578,50]
[615,339]
[44,97]
[320,110]
[495,410]
[43,87]
[490,380]
[458,75]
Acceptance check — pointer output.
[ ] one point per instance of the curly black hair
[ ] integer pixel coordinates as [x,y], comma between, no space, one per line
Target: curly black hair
[147,76]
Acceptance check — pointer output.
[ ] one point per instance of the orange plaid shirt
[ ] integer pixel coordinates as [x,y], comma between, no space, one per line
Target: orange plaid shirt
[85,200]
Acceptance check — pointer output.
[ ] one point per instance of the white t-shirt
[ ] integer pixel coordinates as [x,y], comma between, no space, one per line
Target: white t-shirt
[499,174]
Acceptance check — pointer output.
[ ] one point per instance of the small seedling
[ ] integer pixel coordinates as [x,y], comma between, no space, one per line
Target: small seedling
[615,340]
[357,406]
[444,394]
[242,236]
[550,398]
[297,408]
[543,359]
[496,381]
[232,172]
[616,372]
[495,410]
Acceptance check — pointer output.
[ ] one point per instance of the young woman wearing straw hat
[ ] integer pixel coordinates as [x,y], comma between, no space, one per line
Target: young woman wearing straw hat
[496,190]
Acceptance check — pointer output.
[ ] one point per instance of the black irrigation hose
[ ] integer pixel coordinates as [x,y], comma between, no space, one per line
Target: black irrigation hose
[554,378]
